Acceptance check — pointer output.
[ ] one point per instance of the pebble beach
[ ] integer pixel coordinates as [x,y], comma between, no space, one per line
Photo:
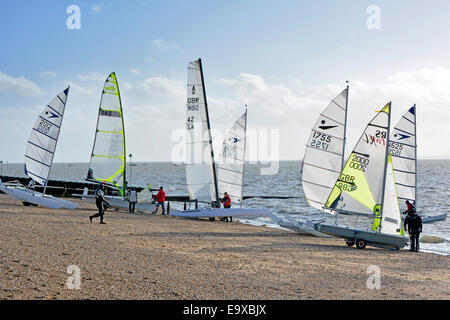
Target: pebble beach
[142,256]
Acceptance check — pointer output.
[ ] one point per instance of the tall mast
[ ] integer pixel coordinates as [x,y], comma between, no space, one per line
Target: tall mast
[209,131]
[415,155]
[125,184]
[385,164]
[243,165]
[345,130]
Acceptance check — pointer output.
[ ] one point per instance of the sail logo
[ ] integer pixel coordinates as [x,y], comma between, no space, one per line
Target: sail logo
[52,115]
[193,89]
[400,136]
[110,88]
[375,140]
[234,140]
[323,127]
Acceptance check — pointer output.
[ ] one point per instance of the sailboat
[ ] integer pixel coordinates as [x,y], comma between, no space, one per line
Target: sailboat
[403,147]
[323,161]
[39,156]
[108,158]
[201,170]
[366,186]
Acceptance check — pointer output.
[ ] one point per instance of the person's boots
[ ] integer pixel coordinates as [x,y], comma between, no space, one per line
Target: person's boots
[90,219]
[101,220]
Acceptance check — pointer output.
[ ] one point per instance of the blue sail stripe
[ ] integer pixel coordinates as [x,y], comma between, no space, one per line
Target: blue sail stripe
[408,119]
[61,99]
[44,134]
[54,110]
[29,172]
[37,161]
[40,147]
[404,131]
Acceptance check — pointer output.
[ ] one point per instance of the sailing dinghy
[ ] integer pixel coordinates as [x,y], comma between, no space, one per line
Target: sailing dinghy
[323,160]
[204,181]
[108,157]
[403,147]
[39,156]
[366,186]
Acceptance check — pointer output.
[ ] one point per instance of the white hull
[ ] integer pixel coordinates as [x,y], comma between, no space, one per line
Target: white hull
[30,196]
[221,212]
[118,202]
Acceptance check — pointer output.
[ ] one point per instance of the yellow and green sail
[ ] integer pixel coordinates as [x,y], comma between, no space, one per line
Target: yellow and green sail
[360,184]
[108,153]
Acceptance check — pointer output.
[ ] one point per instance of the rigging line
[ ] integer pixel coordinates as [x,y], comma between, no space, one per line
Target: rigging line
[413,135]
[59,114]
[44,134]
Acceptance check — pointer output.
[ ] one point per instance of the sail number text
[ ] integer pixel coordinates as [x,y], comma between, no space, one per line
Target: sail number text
[44,126]
[395,148]
[359,162]
[320,140]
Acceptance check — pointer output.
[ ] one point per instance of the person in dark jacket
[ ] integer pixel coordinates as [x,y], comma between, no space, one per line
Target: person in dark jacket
[413,224]
[101,204]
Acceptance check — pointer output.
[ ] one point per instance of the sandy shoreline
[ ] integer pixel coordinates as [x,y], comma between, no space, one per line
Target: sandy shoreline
[153,257]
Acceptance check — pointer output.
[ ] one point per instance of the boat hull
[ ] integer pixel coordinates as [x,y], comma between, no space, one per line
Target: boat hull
[371,238]
[37,198]
[119,203]
[221,212]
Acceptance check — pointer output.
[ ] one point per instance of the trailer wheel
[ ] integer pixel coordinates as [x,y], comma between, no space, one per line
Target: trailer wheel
[26,204]
[361,244]
[349,243]
[212,219]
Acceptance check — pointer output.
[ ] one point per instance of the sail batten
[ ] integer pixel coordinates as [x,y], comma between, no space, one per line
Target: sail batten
[108,155]
[322,162]
[43,140]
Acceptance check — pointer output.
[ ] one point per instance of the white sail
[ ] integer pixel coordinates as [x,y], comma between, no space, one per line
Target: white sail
[323,159]
[403,149]
[359,188]
[200,167]
[230,171]
[41,146]
[391,220]
[108,154]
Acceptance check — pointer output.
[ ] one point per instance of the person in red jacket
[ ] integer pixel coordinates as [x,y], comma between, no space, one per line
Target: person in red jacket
[160,198]
[226,200]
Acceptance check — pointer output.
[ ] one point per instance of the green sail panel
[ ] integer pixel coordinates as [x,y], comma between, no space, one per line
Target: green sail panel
[359,187]
[108,153]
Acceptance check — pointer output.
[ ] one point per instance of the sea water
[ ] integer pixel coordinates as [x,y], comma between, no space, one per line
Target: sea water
[433,191]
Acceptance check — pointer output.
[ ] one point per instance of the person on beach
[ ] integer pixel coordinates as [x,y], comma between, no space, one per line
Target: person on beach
[132,198]
[226,200]
[160,199]
[413,224]
[410,207]
[101,204]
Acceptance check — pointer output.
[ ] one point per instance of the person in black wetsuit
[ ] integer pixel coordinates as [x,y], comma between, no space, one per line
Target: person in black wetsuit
[413,224]
[101,204]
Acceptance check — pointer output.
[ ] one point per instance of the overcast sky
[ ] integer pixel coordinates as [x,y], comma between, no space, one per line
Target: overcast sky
[284,59]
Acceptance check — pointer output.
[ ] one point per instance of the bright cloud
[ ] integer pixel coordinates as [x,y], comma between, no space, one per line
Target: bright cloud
[19,85]
[162,44]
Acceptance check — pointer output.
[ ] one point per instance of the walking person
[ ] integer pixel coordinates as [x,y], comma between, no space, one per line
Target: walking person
[226,200]
[101,204]
[160,199]
[132,198]
[413,224]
